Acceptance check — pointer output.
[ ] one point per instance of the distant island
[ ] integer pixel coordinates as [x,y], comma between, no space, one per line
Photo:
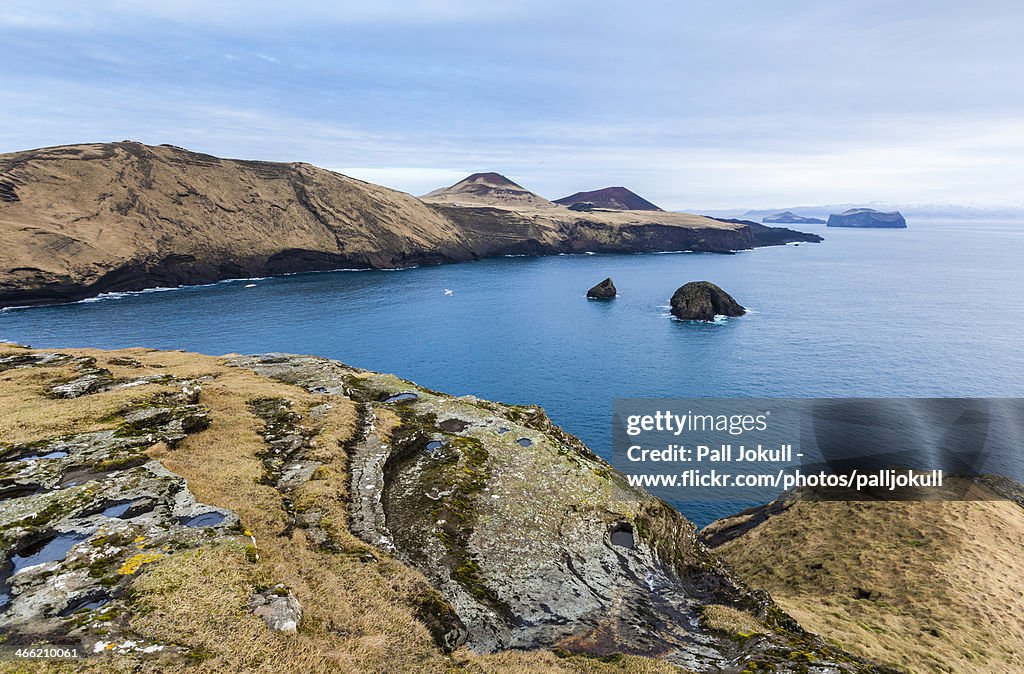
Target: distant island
[867,218]
[789,217]
[615,198]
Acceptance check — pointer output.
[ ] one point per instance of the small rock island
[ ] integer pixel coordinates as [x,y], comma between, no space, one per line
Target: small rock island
[605,290]
[702,301]
[867,217]
[791,218]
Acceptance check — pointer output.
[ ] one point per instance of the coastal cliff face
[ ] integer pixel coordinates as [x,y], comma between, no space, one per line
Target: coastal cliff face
[162,507]
[81,220]
[923,586]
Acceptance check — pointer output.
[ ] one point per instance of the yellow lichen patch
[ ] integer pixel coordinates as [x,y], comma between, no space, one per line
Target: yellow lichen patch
[135,562]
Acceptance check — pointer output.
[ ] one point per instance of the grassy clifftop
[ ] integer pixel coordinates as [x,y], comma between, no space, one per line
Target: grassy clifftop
[169,511]
[923,586]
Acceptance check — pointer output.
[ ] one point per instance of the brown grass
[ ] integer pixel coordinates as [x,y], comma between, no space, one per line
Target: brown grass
[732,621]
[945,579]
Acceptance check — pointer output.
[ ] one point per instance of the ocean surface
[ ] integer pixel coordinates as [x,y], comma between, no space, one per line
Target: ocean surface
[933,310]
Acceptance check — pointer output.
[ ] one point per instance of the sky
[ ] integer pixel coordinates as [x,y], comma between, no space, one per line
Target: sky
[693,104]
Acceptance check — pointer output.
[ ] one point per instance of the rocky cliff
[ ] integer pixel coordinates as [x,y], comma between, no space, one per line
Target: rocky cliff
[161,508]
[81,220]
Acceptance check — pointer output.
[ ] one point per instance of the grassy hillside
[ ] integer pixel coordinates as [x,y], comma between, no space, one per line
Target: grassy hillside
[79,220]
[925,586]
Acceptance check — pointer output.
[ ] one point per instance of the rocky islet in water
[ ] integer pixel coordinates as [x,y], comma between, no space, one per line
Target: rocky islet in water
[703,301]
[605,290]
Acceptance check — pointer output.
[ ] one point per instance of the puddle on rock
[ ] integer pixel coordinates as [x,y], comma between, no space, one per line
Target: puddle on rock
[525,442]
[73,478]
[59,454]
[434,446]
[503,430]
[87,603]
[622,536]
[401,397]
[19,491]
[453,425]
[116,509]
[49,549]
[204,520]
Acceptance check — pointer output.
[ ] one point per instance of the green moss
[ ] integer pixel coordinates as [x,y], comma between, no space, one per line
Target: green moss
[468,575]
[121,462]
[464,473]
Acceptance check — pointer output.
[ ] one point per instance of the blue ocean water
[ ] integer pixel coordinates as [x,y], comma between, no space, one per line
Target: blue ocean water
[933,310]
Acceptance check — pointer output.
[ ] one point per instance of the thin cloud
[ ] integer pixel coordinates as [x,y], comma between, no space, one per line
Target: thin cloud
[690,104]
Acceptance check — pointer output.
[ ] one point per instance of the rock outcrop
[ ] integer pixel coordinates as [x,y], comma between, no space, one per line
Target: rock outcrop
[81,220]
[616,198]
[605,290]
[867,217]
[84,513]
[703,301]
[533,540]
[791,218]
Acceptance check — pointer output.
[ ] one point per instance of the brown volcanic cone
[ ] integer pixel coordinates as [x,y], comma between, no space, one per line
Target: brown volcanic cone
[487,189]
[618,198]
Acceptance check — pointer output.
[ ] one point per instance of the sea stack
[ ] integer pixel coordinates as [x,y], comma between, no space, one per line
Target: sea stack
[867,217]
[605,290]
[702,301]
